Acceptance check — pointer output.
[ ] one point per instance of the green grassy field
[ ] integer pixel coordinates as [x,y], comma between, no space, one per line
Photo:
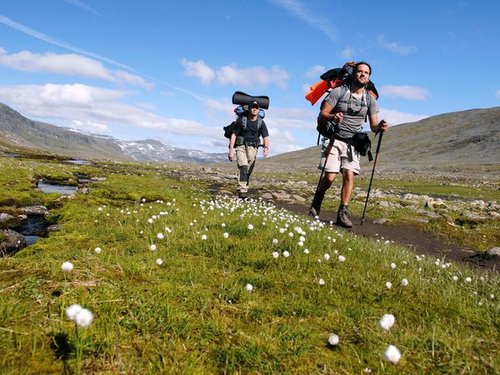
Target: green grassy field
[180,281]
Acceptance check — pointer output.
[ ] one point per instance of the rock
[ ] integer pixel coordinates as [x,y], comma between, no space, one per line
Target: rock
[54,228]
[34,210]
[381,221]
[5,218]
[267,196]
[298,198]
[12,242]
[494,251]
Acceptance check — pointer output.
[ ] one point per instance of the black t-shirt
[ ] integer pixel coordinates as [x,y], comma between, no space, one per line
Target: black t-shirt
[251,132]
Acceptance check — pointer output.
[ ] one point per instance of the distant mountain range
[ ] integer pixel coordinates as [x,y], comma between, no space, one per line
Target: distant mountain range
[19,132]
[462,142]
[458,141]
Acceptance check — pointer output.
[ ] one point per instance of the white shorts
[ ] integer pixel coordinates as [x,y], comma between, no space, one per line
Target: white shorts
[340,157]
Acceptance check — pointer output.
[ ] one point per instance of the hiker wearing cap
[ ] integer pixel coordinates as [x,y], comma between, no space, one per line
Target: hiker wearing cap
[245,142]
[344,110]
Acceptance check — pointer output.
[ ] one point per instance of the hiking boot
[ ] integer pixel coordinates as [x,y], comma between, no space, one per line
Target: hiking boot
[242,195]
[313,213]
[343,217]
[316,204]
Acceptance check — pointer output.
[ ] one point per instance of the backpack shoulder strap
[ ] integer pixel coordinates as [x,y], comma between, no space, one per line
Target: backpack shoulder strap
[344,91]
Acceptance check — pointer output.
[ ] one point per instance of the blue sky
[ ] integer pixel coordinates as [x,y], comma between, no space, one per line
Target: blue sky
[167,70]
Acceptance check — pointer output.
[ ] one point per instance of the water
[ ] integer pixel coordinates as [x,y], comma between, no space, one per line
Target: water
[34,228]
[77,162]
[47,187]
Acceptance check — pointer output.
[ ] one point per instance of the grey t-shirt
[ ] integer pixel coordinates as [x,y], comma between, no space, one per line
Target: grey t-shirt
[354,109]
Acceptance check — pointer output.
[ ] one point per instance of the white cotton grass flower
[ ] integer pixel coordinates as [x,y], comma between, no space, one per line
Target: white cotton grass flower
[275,241]
[152,247]
[326,256]
[204,237]
[393,265]
[160,236]
[306,251]
[468,279]
[72,311]
[250,226]
[84,318]
[276,254]
[388,285]
[455,278]
[341,258]
[387,321]
[286,254]
[225,235]
[97,250]
[159,261]
[404,282]
[333,340]
[321,282]
[67,266]
[392,354]
[249,287]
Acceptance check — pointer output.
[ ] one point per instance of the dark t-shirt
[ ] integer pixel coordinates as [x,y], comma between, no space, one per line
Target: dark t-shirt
[251,132]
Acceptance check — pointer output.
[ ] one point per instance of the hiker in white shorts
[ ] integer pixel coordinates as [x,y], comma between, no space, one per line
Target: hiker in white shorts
[344,110]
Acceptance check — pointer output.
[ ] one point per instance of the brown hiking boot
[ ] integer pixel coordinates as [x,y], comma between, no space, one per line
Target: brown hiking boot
[343,217]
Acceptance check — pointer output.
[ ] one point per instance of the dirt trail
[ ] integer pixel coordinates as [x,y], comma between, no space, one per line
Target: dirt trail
[405,234]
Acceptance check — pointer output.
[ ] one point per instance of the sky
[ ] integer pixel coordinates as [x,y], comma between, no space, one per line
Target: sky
[167,70]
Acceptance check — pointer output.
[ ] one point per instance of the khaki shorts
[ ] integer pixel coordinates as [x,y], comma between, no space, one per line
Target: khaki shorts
[340,157]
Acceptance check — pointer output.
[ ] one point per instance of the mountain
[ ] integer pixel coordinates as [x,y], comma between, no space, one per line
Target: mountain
[458,141]
[19,132]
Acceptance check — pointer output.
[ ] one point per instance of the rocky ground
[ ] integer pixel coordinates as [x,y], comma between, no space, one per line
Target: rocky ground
[295,196]
[408,235]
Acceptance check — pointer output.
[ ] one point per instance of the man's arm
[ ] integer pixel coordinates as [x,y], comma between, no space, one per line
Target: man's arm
[375,125]
[232,141]
[325,112]
[265,150]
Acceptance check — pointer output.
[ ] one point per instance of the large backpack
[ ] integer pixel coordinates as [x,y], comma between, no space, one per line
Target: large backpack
[329,80]
[333,78]
[241,115]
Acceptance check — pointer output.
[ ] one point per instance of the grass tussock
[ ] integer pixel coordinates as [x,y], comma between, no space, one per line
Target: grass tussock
[180,281]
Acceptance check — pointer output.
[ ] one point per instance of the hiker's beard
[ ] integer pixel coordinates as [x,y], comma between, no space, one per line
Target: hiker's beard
[359,83]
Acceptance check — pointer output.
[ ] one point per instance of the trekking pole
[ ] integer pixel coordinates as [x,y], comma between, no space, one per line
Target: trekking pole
[328,149]
[373,171]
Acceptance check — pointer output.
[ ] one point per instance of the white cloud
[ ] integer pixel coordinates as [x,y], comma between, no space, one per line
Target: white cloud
[90,127]
[296,8]
[395,47]
[82,104]
[315,71]
[41,36]
[259,76]
[67,64]
[397,117]
[405,92]
[348,53]
[198,69]
[82,5]
[232,75]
